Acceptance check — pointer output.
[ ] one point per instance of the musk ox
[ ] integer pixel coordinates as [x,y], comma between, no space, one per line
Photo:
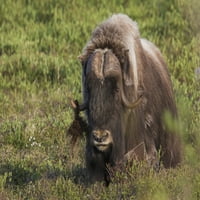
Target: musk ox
[126,90]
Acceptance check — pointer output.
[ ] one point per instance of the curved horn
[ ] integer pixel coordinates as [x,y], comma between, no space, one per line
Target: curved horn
[128,104]
[126,74]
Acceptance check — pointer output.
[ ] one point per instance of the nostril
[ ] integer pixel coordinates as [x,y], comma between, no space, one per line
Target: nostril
[96,138]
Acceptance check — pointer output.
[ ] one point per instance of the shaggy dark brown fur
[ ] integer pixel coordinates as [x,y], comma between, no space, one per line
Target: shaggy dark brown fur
[119,66]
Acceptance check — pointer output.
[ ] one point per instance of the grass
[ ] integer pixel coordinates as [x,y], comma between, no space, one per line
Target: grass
[40,72]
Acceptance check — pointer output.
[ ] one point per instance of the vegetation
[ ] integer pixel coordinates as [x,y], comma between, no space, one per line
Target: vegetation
[40,73]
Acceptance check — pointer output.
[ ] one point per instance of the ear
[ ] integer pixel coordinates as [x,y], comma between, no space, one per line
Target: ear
[127,70]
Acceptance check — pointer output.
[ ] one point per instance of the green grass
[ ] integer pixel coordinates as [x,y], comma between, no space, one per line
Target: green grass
[39,73]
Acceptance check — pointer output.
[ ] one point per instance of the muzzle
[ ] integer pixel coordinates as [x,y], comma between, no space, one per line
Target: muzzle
[101,139]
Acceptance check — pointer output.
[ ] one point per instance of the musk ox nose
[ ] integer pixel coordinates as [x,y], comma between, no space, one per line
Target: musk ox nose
[100,136]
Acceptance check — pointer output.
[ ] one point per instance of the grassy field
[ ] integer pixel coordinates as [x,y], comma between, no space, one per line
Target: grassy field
[40,72]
